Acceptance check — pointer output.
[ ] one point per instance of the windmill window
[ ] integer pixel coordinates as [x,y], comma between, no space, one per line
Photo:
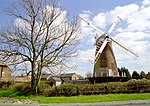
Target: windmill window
[3,73]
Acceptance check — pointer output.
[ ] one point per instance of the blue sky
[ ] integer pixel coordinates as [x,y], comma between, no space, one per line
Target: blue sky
[133,31]
[74,7]
[95,6]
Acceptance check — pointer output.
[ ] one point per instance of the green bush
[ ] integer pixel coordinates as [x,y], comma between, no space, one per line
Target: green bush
[44,88]
[24,88]
[6,85]
[67,90]
[138,86]
[115,87]
[64,90]
[90,89]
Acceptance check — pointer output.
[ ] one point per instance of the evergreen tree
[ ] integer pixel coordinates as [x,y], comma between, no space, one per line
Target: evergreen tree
[126,71]
[142,74]
[120,72]
[135,75]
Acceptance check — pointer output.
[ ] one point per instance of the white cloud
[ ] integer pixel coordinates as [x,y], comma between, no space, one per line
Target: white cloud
[124,11]
[100,20]
[146,2]
[84,61]
[139,21]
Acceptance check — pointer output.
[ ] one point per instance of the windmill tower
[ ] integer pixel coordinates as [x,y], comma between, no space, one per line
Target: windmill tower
[105,63]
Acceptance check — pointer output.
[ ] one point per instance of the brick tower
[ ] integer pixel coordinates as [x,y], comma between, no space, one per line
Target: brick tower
[106,65]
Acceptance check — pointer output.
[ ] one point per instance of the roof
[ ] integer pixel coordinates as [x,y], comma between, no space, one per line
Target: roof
[56,78]
[45,75]
[67,75]
[2,63]
[70,75]
[83,81]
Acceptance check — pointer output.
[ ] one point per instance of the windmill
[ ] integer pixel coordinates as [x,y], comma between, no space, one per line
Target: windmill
[105,63]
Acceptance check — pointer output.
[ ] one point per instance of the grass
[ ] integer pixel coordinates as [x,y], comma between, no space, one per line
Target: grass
[9,92]
[92,98]
[76,99]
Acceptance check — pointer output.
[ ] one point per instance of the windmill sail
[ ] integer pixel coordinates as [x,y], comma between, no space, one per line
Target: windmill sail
[92,26]
[101,49]
[124,48]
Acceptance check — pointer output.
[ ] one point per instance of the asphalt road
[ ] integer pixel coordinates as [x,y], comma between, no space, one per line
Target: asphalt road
[115,103]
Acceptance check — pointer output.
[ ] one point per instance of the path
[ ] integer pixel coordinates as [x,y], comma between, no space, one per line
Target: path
[115,103]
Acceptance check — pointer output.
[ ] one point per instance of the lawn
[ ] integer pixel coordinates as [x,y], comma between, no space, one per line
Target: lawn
[92,98]
[76,99]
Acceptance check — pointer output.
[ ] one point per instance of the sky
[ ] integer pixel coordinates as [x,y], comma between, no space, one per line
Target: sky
[133,31]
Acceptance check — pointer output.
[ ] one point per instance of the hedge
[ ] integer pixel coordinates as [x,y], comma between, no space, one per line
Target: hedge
[132,86]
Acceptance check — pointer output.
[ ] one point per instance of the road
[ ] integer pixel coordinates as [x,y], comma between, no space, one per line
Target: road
[115,103]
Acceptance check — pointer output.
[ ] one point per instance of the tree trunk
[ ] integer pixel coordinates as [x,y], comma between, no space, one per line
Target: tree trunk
[38,77]
[33,78]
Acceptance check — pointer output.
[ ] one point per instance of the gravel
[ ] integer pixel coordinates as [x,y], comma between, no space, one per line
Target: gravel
[8,100]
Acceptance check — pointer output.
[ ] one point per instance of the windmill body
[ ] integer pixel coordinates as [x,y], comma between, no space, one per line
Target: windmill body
[106,65]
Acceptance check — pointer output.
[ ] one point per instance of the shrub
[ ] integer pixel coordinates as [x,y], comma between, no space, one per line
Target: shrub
[67,90]
[90,89]
[5,85]
[24,88]
[115,87]
[137,86]
[2,84]
[44,88]
[64,90]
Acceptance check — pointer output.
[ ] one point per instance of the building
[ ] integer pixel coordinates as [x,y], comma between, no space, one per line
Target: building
[45,76]
[105,64]
[22,78]
[55,81]
[5,72]
[71,76]
[67,78]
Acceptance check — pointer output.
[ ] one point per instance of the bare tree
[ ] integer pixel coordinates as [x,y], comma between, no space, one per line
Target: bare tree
[43,35]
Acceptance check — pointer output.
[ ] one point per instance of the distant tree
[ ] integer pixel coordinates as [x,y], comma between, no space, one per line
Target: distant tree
[135,75]
[142,74]
[89,74]
[120,72]
[126,71]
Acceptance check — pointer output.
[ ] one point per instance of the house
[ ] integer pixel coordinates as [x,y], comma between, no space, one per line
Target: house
[79,81]
[45,76]
[68,78]
[5,72]
[55,81]
[71,76]
[22,78]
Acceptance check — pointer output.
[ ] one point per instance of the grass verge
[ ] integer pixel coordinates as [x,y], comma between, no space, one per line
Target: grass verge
[76,99]
[92,98]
